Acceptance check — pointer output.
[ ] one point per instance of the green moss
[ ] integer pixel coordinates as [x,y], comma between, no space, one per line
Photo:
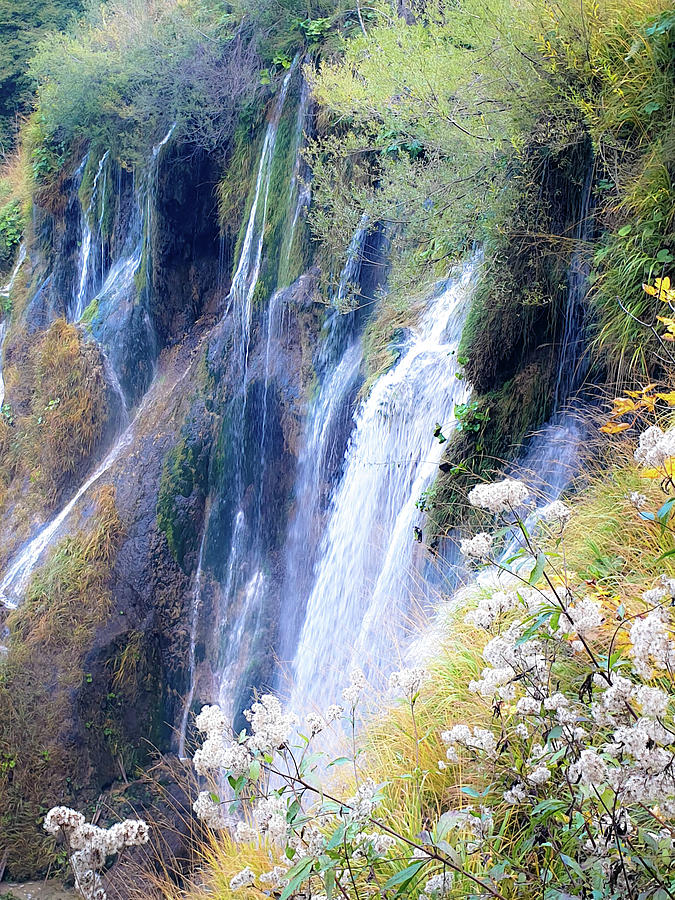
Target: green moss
[185,472]
[11,228]
[503,418]
[91,312]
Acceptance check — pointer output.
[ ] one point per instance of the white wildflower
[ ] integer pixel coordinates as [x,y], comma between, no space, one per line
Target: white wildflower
[211,720]
[638,500]
[501,496]
[245,833]
[270,817]
[656,595]
[651,644]
[439,886]
[490,607]
[522,731]
[363,803]
[245,878]
[373,844]
[352,694]
[477,547]
[209,811]
[315,724]
[590,769]
[540,775]
[516,794]
[333,713]
[407,682]
[653,701]
[481,739]
[92,845]
[555,513]
[62,817]
[586,615]
[277,877]
[528,706]
[655,447]
[270,725]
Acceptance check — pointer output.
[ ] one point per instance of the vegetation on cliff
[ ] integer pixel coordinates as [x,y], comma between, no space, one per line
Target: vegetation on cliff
[530,751]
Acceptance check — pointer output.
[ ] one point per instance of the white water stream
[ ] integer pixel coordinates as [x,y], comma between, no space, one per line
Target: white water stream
[360,599]
[240,618]
[118,287]
[5,294]
[17,576]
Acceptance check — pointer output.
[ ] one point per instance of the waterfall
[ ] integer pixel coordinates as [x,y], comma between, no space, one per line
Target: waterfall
[20,259]
[195,603]
[572,364]
[299,191]
[245,278]
[326,422]
[16,578]
[360,598]
[5,293]
[89,278]
[3,329]
[243,591]
[117,291]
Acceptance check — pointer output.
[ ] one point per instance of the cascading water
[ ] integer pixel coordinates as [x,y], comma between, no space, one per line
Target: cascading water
[243,587]
[325,425]
[357,609]
[89,272]
[118,290]
[17,576]
[195,603]
[5,293]
[572,364]
[299,192]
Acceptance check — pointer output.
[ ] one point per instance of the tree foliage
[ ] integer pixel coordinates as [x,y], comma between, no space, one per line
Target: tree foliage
[130,69]
[22,23]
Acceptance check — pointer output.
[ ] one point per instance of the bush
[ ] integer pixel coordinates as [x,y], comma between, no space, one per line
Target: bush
[129,70]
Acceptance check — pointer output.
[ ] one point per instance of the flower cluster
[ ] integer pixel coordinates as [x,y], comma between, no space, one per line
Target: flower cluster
[91,846]
[655,447]
[499,497]
[477,547]
[408,682]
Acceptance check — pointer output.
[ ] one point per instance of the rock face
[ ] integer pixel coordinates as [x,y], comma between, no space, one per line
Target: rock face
[187,438]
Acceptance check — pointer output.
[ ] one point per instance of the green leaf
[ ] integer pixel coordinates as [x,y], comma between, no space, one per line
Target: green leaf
[572,864]
[329,882]
[538,570]
[470,792]
[336,838]
[664,512]
[665,555]
[299,873]
[405,875]
[626,230]
[254,770]
[340,761]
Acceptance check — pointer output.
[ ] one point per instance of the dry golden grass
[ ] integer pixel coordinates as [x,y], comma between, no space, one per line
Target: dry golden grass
[67,600]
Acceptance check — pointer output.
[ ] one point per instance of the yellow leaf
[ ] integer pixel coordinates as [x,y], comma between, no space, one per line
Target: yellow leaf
[666,321]
[662,284]
[615,427]
[622,405]
[668,469]
[649,289]
[668,398]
